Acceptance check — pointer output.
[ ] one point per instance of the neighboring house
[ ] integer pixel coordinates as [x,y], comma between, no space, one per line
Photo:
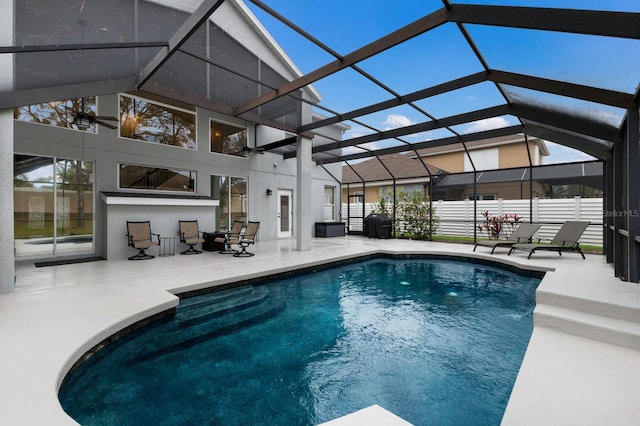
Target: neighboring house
[163,159]
[410,173]
[443,163]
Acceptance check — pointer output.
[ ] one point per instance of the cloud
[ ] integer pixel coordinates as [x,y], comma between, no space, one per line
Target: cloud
[487,124]
[351,150]
[563,154]
[356,132]
[395,121]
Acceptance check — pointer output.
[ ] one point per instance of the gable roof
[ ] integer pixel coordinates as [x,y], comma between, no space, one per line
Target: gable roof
[400,166]
[189,51]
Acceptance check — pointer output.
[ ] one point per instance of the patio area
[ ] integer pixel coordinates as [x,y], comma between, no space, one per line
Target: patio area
[581,366]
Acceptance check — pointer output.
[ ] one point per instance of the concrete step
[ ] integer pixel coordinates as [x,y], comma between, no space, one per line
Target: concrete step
[605,329]
[626,309]
[212,305]
[215,296]
[200,322]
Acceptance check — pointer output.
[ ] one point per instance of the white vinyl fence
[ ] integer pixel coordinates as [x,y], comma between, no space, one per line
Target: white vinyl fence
[455,218]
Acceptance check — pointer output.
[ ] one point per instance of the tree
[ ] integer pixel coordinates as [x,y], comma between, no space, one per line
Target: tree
[414,211]
[75,175]
[58,113]
[413,215]
[147,121]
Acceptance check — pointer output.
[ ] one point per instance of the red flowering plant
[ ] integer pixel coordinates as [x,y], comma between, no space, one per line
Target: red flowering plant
[500,226]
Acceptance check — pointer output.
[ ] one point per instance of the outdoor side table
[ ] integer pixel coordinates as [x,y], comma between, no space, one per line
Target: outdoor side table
[167,246]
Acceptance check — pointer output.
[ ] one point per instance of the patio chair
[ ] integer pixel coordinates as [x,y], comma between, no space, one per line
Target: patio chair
[566,239]
[190,235]
[231,237]
[522,234]
[139,236]
[247,238]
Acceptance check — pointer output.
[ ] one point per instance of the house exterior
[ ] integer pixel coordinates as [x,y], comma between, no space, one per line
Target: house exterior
[410,173]
[157,158]
[431,171]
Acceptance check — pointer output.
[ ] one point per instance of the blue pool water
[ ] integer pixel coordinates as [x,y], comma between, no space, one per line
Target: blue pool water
[437,342]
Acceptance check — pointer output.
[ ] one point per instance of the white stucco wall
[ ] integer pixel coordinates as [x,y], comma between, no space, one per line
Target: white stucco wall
[107,150]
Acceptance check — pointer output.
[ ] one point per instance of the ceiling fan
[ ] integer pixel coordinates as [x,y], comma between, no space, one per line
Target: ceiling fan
[84,119]
[251,150]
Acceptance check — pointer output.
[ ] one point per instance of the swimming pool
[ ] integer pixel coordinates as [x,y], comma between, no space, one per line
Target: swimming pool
[434,341]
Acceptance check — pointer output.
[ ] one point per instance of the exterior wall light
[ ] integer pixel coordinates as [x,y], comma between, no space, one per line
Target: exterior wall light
[269,192]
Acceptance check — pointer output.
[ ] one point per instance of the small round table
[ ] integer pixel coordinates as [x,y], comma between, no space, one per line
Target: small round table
[167,246]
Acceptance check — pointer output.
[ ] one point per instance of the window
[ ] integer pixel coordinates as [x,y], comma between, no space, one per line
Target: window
[53,206]
[148,121]
[329,203]
[357,197]
[155,178]
[58,113]
[482,197]
[483,159]
[228,139]
[386,192]
[233,195]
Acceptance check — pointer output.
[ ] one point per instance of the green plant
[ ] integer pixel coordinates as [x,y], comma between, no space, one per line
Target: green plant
[500,225]
[415,215]
[382,205]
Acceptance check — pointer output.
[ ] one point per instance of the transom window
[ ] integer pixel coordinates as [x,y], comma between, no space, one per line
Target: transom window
[59,113]
[150,121]
[133,176]
[228,139]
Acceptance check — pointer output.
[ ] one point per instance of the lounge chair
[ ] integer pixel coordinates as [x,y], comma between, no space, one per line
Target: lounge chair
[139,236]
[522,234]
[231,237]
[190,235]
[247,238]
[565,240]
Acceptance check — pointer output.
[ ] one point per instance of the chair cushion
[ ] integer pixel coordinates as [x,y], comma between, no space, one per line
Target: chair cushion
[194,240]
[144,244]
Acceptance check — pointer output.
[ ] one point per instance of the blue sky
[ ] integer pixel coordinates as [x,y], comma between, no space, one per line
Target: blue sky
[443,54]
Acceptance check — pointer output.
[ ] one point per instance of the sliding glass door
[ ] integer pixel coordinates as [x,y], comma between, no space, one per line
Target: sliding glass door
[53,206]
[233,196]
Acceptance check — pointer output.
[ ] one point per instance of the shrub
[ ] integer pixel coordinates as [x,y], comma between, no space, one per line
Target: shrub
[413,214]
[499,226]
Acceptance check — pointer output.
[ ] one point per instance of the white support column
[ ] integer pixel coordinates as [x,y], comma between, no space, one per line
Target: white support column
[303,194]
[7,260]
[7,255]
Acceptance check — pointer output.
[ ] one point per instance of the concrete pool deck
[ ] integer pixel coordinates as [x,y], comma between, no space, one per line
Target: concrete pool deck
[582,365]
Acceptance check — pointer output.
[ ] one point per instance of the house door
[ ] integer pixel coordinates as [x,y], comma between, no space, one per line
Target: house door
[284,213]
